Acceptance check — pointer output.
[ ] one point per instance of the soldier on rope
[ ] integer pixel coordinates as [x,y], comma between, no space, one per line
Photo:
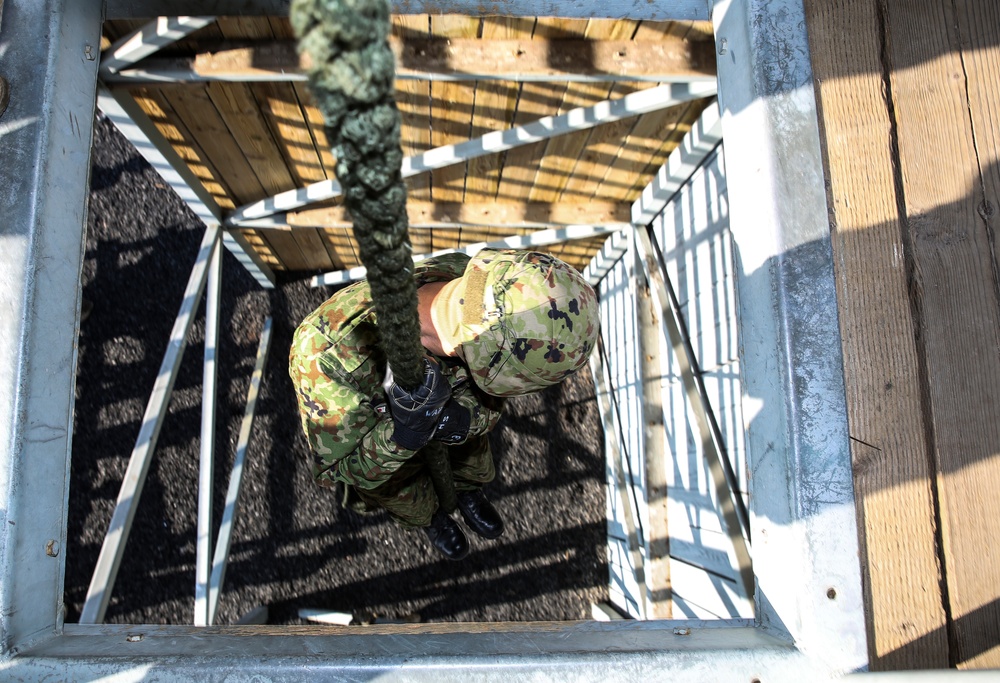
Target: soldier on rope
[503,323]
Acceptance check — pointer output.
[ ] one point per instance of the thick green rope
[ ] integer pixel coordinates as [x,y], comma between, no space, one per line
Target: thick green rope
[352,77]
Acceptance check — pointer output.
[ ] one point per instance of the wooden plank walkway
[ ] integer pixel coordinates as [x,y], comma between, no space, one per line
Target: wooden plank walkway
[910,104]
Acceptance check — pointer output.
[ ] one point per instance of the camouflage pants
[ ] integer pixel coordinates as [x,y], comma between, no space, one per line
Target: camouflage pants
[409,495]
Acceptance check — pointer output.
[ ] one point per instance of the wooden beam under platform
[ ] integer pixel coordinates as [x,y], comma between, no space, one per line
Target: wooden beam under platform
[670,59]
[454,214]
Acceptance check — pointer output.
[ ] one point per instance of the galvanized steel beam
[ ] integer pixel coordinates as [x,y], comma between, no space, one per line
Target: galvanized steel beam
[232,507]
[610,9]
[50,50]
[113,547]
[803,518]
[148,40]
[206,451]
[539,238]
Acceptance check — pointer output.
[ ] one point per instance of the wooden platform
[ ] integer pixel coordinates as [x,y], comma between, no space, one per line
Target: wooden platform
[910,107]
[251,139]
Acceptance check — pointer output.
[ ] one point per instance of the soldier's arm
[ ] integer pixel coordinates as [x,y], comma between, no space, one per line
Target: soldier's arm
[348,439]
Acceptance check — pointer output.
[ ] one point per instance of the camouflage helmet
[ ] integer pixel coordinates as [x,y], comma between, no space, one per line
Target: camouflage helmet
[521,320]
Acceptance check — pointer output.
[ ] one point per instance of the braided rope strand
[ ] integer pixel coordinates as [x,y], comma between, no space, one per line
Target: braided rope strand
[352,78]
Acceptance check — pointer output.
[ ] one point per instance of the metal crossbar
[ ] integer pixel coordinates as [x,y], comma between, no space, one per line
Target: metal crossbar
[726,489]
[582,118]
[231,510]
[137,128]
[539,238]
[113,548]
[206,460]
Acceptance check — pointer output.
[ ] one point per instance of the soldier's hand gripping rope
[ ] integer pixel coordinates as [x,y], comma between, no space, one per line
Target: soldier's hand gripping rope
[417,412]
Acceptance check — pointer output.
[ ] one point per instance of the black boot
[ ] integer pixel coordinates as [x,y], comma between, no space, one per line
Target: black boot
[447,536]
[480,514]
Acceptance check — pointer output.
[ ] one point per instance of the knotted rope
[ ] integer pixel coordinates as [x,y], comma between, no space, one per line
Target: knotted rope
[352,77]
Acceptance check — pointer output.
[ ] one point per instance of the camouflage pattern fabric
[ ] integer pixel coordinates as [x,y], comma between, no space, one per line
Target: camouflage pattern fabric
[337,370]
[524,321]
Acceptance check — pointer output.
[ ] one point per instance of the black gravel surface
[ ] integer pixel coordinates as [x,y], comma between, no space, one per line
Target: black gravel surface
[293,547]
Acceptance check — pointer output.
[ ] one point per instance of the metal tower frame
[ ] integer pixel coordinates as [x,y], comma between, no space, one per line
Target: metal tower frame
[809,621]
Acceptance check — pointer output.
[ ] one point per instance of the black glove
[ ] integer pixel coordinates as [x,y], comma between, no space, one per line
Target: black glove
[453,427]
[416,413]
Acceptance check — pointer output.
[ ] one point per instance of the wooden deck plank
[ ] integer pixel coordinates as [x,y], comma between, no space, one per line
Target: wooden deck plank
[525,168]
[979,38]
[317,127]
[535,100]
[284,116]
[238,108]
[496,102]
[298,152]
[195,109]
[520,165]
[956,277]
[500,28]
[494,107]
[311,115]
[342,252]
[338,246]
[589,166]
[452,104]
[892,475]
[262,247]
[156,107]
[287,249]
[600,152]
[414,101]
[687,116]
[280,106]
[647,146]
[563,154]
[603,141]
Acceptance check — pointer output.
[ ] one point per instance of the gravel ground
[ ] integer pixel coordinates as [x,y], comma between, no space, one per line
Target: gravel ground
[293,547]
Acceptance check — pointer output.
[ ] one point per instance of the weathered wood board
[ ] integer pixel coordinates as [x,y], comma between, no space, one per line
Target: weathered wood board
[909,101]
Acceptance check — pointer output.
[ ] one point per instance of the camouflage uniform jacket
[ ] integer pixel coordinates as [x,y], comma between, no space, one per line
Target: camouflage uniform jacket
[337,369]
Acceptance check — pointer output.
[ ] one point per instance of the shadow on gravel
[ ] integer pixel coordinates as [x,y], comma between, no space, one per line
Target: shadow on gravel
[293,547]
